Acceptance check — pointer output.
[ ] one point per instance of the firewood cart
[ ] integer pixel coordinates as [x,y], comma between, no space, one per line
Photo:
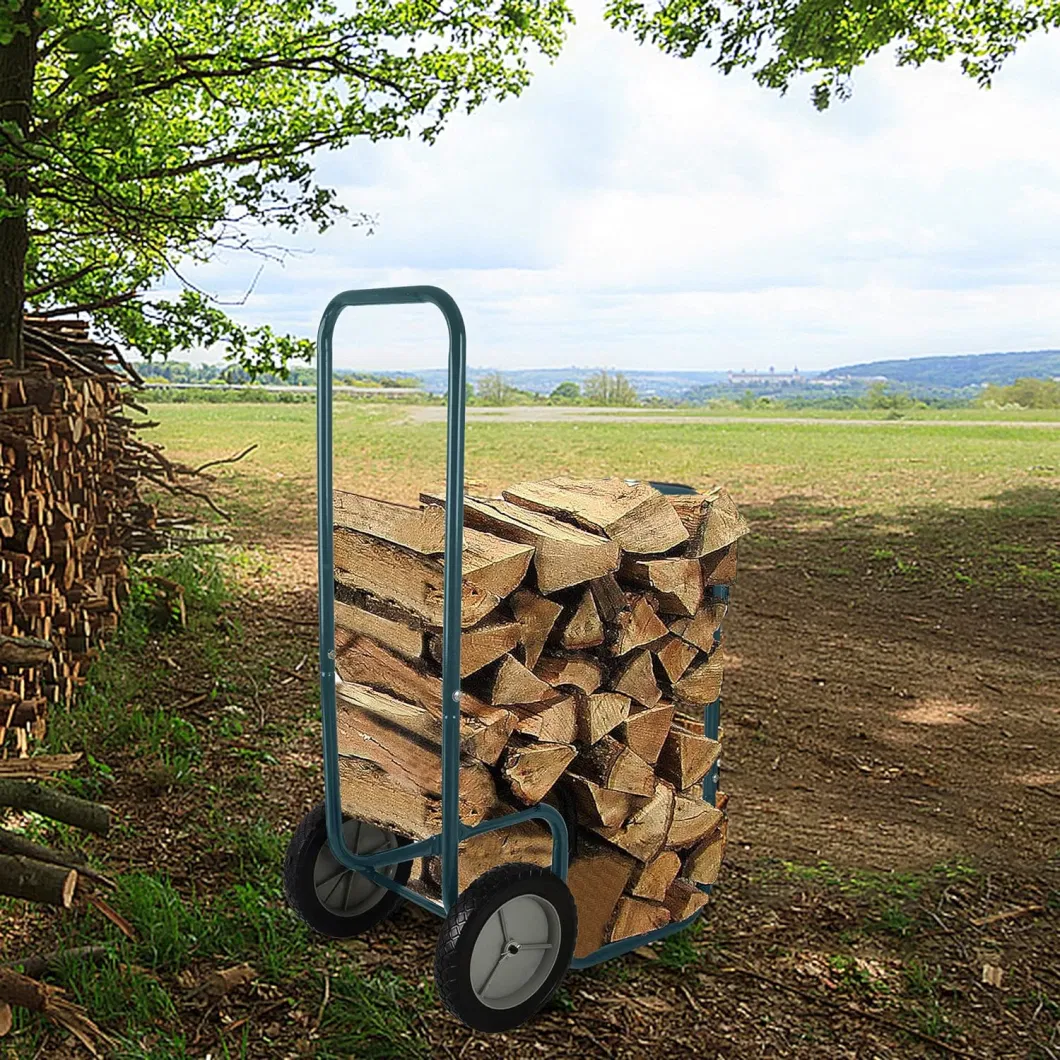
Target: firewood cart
[508,940]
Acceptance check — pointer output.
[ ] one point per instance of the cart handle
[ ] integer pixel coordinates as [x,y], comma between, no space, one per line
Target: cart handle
[454,534]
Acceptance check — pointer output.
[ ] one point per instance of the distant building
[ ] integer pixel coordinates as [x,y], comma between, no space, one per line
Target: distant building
[770,378]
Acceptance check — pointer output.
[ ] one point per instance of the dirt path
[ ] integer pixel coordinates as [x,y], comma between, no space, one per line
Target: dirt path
[560,414]
[893,765]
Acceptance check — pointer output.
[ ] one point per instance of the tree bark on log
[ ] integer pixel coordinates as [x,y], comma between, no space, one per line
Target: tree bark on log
[37,881]
[35,798]
[24,651]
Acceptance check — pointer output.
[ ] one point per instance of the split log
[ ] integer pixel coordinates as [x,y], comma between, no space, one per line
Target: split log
[512,683]
[7,1020]
[529,842]
[532,767]
[636,679]
[596,878]
[24,651]
[637,916]
[414,583]
[644,834]
[420,529]
[554,721]
[613,765]
[719,568]
[582,672]
[599,807]
[636,627]
[703,863]
[674,655]
[693,820]
[702,628]
[682,899]
[599,714]
[563,555]
[700,684]
[396,636]
[610,600]
[645,730]
[711,520]
[406,740]
[492,569]
[652,879]
[361,661]
[482,644]
[678,583]
[537,615]
[371,794]
[686,757]
[583,629]
[636,517]
[29,796]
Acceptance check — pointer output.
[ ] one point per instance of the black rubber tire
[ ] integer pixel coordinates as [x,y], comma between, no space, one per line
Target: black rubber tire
[460,930]
[298,866]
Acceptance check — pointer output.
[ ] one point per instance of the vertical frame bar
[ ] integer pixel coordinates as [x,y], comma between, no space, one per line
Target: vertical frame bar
[452,583]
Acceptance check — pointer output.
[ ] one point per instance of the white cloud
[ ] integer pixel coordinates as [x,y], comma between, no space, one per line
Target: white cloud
[632,209]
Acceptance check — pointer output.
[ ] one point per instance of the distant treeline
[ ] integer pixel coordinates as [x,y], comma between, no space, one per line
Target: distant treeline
[183,372]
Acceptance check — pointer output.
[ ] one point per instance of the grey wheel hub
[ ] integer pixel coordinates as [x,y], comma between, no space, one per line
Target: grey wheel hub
[515,951]
[342,891]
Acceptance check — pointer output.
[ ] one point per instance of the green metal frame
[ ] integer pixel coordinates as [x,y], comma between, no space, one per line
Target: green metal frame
[445,844]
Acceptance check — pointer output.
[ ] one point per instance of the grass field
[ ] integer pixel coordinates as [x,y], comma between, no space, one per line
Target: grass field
[891,754]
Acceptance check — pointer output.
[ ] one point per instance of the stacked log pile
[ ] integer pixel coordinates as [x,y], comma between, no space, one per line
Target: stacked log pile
[591,620]
[70,466]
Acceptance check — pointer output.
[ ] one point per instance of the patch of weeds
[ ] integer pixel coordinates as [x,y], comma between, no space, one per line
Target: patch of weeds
[372,1017]
[882,554]
[170,929]
[850,973]
[679,951]
[890,896]
[251,919]
[920,979]
[932,1020]
[562,1000]
[123,998]
[256,846]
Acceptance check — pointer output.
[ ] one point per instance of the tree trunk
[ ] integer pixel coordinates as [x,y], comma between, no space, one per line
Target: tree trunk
[17,64]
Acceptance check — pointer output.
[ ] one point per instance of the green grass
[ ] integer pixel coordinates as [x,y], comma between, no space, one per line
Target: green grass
[868,469]
[892,901]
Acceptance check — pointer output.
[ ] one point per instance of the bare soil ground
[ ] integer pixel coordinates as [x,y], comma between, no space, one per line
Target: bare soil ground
[893,763]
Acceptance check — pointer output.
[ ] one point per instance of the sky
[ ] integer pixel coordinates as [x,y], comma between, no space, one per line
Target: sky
[634,210]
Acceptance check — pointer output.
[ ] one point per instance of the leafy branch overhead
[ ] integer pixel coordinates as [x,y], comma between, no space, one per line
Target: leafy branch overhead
[164,132]
[780,40]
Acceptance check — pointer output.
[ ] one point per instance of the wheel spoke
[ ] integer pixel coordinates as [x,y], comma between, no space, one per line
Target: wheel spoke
[334,876]
[504,926]
[334,887]
[524,946]
[489,978]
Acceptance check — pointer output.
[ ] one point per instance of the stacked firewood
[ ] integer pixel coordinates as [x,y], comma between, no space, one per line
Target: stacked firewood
[70,468]
[591,618]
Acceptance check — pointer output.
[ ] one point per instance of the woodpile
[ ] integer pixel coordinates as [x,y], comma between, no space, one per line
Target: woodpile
[30,870]
[70,470]
[591,620]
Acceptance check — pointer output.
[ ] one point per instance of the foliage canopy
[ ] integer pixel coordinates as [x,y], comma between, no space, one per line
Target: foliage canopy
[166,131]
[779,40]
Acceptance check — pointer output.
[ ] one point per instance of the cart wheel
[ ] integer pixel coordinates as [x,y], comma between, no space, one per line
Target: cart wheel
[505,946]
[331,899]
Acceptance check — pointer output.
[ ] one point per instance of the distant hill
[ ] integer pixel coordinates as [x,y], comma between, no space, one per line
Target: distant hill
[545,380]
[960,371]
